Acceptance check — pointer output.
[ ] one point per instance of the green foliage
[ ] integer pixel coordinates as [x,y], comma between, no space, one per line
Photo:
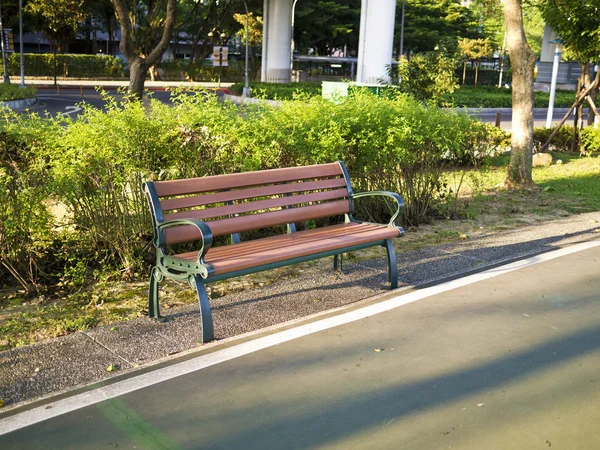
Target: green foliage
[201,70]
[590,140]
[26,231]
[578,25]
[75,66]
[14,92]
[561,142]
[427,76]
[94,167]
[275,91]
[433,23]
[323,26]
[494,97]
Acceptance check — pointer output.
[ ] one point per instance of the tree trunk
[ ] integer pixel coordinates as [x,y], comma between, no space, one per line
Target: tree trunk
[575,142]
[522,60]
[137,77]
[464,72]
[139,63]
[476,72]
[588,81]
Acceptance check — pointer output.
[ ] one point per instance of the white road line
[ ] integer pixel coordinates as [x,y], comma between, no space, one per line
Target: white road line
[120,388]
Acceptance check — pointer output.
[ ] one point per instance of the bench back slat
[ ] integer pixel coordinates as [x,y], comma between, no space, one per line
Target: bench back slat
[244,194]
[240,208]
[240,202]
[255,221]
[245,179]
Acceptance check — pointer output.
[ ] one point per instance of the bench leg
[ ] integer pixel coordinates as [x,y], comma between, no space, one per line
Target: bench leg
[392,264]
[337,266]
[208,333]
[153,308]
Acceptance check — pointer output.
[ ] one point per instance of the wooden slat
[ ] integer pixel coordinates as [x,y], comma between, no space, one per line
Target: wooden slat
[245,179]
[240,208]
[243,194]
[221,227]
[296,246]
[247,247]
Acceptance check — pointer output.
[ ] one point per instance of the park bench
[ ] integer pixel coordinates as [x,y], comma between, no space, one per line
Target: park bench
[199,209]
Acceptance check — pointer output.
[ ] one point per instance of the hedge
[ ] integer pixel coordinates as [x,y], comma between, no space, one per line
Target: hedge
[93,168]
[67,65]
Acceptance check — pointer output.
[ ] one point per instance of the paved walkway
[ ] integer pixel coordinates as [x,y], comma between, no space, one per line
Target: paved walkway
[29,372]
[507,358]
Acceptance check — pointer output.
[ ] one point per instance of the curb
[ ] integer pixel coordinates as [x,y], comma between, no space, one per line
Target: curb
[19,104]
[249,101]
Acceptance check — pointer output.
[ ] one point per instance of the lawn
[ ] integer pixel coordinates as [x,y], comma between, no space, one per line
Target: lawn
[565,188]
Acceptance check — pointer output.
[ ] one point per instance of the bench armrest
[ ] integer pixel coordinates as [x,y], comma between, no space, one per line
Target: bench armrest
[396,197]
[205,231]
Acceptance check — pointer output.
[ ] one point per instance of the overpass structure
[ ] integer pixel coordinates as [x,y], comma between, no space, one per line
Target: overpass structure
[374,49]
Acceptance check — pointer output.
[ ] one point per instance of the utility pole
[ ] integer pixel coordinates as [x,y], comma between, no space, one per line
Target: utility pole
[4,59]
[246,91]
[21,44]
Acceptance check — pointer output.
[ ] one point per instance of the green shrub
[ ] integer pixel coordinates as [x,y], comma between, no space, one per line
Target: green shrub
[561,141]
[14,92]
[203,70]
[590,140]
[67,65]
[95,166]
[427,76]
[26,226]
[275,91]
[494,97]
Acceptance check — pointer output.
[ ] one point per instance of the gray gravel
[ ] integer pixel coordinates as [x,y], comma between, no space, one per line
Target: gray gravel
[29,372]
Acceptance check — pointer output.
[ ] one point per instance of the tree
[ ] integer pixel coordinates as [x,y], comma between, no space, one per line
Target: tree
[59,19]
[522,59]
[327,26]
[146,30]
[431,23]
[255,35]
[474,50]
[578,25]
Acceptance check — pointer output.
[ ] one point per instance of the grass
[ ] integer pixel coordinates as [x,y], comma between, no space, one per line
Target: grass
[14,92]
[564,189]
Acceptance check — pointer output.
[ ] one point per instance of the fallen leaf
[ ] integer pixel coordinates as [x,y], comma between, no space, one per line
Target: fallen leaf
[593,221]
[463,236]
[1,403]
[378,350]
[113,329]
[480,404]
[111,368]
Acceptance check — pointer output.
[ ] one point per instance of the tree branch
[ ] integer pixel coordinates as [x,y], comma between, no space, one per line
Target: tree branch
[153,57]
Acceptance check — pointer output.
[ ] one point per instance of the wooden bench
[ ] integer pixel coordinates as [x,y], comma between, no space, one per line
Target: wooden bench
[198,209]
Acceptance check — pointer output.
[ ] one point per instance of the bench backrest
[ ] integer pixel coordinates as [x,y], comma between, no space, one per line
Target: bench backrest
[251,200]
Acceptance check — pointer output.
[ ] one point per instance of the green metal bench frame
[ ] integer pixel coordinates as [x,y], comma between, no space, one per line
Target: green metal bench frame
[198,273]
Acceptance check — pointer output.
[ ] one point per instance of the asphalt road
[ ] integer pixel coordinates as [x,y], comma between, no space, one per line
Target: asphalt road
[68,100]
[506,358]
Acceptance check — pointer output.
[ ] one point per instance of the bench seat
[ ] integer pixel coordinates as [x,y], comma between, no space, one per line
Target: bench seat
[260,252]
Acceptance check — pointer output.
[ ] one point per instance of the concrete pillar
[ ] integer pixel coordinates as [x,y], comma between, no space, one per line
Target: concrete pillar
[277,38]
[548,47]
[376,40]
